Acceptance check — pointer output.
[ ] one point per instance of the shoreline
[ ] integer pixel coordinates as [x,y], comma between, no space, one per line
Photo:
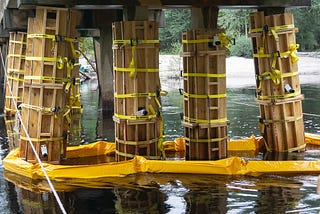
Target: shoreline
[240,70]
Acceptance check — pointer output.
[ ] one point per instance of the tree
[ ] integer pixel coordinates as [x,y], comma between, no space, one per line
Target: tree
[176,21]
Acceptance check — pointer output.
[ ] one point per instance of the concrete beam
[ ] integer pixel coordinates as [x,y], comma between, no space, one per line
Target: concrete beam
[118,4]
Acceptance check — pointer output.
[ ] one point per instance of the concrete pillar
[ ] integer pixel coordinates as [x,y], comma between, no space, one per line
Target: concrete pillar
[104,60]
[206,17]
[3,47]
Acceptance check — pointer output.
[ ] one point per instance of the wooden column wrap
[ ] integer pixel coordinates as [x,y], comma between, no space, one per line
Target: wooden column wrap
[45,107]
[274,48]
[205,113]
[137,88]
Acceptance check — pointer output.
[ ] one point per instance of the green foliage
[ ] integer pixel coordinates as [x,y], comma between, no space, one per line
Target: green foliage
[235,22]
[307,20]
[242,47]
[89,49]
[177,21]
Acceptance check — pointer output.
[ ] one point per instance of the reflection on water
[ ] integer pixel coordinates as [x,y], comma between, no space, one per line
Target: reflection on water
[170,193]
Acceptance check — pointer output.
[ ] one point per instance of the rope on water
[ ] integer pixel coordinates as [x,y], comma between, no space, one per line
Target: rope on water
[30,142]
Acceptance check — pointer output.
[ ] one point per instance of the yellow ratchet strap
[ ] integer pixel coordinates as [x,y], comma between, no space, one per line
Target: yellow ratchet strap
[58,38]
[13,97]
[38,108]
[136,69]
[225,40]
[17,55]
[291,52]
[47,78]
[264,97]
[18,42]
[15,78]
[120,96]
[203,96]
[134,43]
[275,28]
[42,139]
[194,120]
[127,117]
[274,75]
[196,41]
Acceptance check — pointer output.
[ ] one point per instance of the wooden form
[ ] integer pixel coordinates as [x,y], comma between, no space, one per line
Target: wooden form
[277,80]
[15,71]
[137,104]
[13,132]
[50,59]
[205,113]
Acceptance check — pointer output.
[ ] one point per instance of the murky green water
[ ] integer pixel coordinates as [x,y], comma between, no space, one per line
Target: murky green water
[150,193]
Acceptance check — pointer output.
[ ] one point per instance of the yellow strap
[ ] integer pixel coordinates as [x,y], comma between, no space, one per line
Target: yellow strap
[274,75]
[126,117]
[196,41]
[15,78]
[136,69]
[203,75]
[194,120]
[261,97]
[57,38]
[120,96]
[275,28]
[212,140]
[18,42]
[13,97]
[46,59]
[48,78]
[10,121]
[17,55]
[42,139]
[134,42]
[200,96]
[291,52]
[37,108]
[225,41]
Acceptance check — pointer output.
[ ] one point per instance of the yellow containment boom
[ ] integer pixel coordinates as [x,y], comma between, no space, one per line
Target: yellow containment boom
[228,166]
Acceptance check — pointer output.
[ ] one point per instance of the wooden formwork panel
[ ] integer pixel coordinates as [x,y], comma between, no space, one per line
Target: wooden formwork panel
[137,89]
[137,139]
[206,143]
[15,71]
[274,47]
[13,132]
[49,75]
[204,76]
[282,125]
[44,121]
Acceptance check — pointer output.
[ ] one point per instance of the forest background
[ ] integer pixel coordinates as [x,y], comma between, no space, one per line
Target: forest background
[236,24]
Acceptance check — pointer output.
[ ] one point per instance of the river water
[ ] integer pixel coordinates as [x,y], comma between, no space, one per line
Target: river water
[174,193]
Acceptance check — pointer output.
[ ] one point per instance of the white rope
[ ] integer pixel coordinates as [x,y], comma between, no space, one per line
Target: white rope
[31,144]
